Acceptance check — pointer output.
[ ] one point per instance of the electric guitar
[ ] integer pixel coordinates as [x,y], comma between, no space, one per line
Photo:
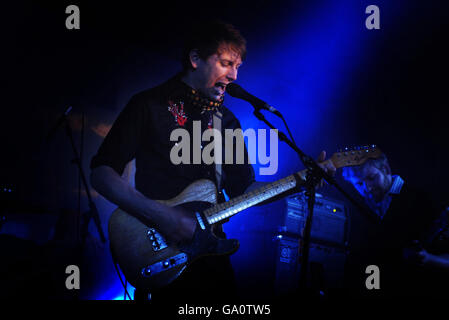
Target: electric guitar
[149,262]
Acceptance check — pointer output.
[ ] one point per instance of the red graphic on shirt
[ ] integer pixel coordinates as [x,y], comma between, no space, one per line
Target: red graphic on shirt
[178,112]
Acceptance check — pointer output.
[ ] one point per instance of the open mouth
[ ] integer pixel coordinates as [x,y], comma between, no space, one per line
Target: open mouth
[220,85]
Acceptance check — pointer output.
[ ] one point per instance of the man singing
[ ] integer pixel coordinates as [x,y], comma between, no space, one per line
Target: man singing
[212,57]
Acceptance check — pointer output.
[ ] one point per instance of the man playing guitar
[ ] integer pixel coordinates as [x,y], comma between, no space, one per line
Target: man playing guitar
[142,131]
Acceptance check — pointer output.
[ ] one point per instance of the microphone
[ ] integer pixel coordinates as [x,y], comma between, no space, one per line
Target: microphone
[236,91]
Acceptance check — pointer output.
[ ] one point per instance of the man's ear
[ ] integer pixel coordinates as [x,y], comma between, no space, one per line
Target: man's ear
[194,58]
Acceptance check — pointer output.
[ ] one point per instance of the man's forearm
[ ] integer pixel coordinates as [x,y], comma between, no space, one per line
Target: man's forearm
[109,184]
[440,261]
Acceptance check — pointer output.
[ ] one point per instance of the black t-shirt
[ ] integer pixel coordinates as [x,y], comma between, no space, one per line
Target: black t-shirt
[142,131]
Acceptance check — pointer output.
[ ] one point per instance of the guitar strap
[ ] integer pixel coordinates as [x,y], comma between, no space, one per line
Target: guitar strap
[218,229]
[218,116]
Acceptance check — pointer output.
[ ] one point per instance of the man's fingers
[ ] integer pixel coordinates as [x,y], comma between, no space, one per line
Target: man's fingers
[322,156]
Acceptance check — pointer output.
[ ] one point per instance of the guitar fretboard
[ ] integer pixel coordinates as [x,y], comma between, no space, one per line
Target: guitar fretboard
[227,209]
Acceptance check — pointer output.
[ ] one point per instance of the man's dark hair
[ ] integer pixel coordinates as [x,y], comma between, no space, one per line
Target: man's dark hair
[208,36]
[349,172]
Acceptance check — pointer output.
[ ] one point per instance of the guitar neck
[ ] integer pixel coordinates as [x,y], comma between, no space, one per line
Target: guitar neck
[348,157]
[227,209]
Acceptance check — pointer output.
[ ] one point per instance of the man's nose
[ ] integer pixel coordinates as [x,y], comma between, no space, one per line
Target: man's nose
[232,74]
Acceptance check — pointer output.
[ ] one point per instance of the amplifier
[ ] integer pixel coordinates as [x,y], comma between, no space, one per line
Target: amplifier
[267,262]
[325,270]
[328,223]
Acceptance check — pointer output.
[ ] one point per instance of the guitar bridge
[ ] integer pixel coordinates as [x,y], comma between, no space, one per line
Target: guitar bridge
[157,241]
[164,265]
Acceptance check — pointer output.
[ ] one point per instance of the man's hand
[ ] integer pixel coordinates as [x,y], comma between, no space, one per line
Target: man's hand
[328,167]
[416,254]
[179,227]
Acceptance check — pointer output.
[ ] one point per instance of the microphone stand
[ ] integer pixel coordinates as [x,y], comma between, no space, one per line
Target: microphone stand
[314,176]
[92,212]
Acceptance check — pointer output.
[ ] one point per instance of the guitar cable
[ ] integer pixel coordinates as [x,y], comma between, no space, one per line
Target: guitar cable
[124,284]
[126,291]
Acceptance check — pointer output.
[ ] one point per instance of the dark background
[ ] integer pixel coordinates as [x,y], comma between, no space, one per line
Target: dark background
[396,98]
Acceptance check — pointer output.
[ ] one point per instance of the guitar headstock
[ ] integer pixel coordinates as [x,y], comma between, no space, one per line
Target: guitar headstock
[355,156]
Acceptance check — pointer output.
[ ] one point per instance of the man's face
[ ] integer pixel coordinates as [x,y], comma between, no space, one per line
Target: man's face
[373,183]
[213,74]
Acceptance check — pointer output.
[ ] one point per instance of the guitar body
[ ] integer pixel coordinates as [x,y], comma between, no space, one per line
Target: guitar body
[147,261]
